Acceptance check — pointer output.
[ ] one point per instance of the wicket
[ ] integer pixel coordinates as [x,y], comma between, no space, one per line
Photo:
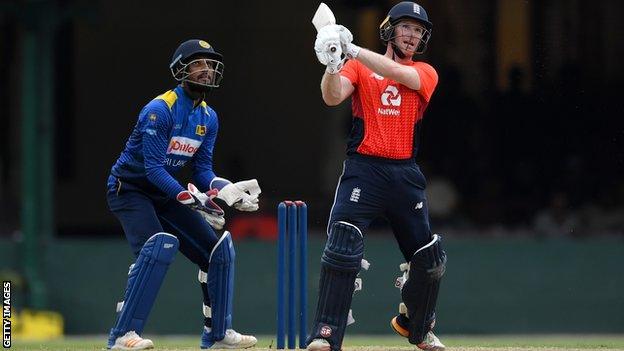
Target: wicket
[292,217]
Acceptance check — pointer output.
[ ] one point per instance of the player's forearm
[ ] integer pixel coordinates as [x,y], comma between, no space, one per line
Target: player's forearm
[387,68]
[331,88]
[163,180]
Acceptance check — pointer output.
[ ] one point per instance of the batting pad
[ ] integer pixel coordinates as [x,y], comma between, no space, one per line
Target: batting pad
[220,288]
[144,281]
[420,291]
[340,264]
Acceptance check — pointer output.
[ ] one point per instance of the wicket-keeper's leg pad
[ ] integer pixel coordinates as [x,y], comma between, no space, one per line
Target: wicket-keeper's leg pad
[420,291]
[340,264]
[220,290]
[144,280]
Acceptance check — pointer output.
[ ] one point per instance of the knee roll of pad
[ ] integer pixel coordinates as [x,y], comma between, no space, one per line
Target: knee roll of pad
[420,290]
[340,264]
[144,280]
[430,258]
[344,249]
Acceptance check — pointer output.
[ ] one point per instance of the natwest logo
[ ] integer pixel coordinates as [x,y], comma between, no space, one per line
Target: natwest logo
[183,146]
[391,96]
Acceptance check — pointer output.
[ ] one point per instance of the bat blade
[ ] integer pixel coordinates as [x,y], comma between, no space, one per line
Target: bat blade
[323,17]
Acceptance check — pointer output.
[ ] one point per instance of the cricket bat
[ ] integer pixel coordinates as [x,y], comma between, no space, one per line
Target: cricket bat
[323,17]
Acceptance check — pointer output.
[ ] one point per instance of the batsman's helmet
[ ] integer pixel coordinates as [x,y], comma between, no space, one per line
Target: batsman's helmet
[193,50]
[403,10]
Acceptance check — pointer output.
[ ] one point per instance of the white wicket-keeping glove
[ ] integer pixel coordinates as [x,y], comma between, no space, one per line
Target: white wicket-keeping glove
[202,203]
[242,195]
[328,39]
[348,48]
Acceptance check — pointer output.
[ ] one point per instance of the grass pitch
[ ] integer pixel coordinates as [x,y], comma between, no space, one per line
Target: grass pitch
[365,343]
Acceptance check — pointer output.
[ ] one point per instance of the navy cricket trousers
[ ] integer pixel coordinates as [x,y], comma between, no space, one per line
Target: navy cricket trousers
[371,188]
[143,213]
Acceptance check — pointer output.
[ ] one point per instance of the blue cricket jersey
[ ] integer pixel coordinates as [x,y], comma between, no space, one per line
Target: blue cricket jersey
[169,134]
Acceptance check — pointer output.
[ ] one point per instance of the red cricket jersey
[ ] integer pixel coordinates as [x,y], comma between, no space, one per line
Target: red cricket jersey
[385,112]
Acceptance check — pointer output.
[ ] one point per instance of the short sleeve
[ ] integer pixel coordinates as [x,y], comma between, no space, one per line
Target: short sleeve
[350,71]
[428,79]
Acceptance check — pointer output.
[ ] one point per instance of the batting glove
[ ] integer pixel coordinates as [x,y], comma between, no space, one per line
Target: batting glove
[202,203]
[348,48]
[327,47]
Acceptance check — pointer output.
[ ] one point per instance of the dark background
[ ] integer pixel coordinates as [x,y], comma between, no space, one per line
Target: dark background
[524,134]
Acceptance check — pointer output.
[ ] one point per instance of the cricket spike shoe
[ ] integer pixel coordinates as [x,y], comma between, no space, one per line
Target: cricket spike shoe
[319,345]
[232,340]
[431,343]
[400,324]
[132,341]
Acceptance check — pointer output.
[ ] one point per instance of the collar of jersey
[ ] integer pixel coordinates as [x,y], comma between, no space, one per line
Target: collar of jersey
[184,100]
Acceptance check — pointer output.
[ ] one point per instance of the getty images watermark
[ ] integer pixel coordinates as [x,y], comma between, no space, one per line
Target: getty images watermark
[6,314]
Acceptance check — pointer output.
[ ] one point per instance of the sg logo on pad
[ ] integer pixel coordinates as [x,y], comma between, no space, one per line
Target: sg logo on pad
[326,331]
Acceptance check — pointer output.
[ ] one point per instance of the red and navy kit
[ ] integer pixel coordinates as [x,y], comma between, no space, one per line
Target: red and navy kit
[380,176]
[386,113]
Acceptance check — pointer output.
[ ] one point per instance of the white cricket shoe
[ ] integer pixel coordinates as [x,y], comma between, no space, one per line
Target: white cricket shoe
[431,343]
[319,345]
[235,340]
[132,341]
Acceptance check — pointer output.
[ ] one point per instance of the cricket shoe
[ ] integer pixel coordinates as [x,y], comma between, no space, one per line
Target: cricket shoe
[132,341]
[319,345]
[431,343]
[232,340]
[400,324]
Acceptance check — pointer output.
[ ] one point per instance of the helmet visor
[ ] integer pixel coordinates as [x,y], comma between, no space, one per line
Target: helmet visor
[411,38]
[201,71]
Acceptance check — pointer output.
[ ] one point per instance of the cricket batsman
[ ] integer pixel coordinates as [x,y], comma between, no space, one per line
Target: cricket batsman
[380,178]
[160,217]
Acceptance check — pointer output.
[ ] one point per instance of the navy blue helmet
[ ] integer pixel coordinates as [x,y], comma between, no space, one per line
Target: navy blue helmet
[197,50]
[406,10]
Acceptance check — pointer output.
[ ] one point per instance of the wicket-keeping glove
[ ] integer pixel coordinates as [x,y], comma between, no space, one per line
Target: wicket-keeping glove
[202,203]
[242,195]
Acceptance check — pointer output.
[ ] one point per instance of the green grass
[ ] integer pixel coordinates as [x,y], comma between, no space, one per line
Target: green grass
[355,342]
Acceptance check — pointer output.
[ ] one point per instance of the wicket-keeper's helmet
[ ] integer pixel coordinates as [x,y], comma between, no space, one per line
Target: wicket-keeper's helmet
[403,10]
[197,50]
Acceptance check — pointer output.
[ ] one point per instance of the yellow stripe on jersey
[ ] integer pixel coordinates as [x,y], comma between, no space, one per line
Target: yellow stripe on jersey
[204,105]
[169,98]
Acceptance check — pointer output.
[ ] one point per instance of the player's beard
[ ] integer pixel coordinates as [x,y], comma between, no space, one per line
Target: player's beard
[197,89]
